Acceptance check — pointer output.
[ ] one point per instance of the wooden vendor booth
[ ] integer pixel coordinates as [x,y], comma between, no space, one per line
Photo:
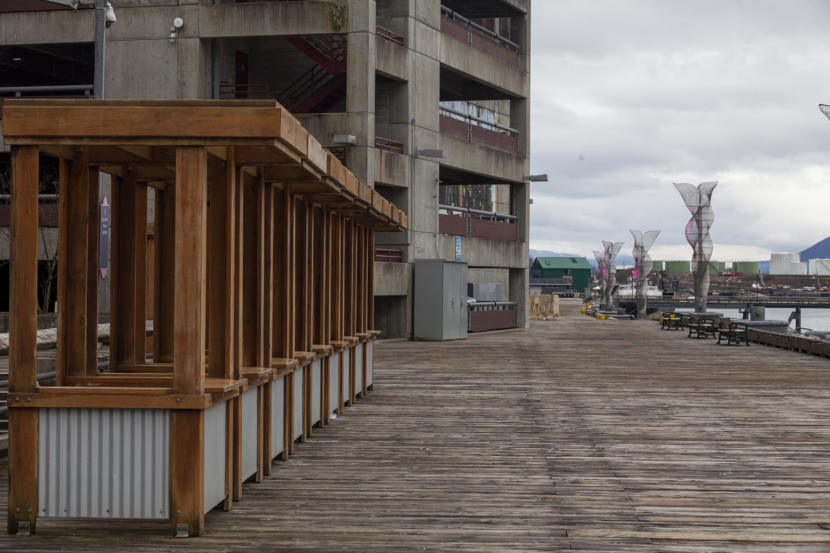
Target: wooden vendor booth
[258,289]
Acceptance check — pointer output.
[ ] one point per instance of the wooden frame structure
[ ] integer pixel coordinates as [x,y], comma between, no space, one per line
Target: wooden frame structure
[262,304]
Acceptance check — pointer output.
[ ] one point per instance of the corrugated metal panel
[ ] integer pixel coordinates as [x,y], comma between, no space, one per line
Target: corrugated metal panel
[370,377]
[334,381]
[298,403]
[104,463]
[347,357]
[277,416]
[215,458]
[250,430]
[358,368]
[316,374]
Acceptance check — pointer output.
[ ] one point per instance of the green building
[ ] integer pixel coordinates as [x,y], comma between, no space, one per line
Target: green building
[746,267]
[678,267]
[717,267]
[560,267]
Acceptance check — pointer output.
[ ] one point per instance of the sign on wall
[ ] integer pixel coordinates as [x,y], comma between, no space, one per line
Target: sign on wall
[458,248]
[104,249]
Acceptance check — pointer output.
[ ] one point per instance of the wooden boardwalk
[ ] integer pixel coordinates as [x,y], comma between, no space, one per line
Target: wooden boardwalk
[575,435]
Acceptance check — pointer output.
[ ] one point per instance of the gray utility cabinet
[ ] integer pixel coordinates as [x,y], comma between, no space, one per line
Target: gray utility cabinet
[440,300]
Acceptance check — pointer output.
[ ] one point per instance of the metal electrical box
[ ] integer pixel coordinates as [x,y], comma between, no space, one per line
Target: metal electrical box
[440,300]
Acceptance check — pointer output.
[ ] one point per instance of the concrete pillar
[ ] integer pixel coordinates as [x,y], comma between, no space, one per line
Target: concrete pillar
[360,79]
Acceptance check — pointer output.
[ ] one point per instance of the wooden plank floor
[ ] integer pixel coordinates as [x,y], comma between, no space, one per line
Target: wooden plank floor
[575,435]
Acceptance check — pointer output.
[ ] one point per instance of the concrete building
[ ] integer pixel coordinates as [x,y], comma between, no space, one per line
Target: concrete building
[427,100]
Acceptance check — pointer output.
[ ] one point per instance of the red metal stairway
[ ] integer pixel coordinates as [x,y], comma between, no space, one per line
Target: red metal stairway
[323,84]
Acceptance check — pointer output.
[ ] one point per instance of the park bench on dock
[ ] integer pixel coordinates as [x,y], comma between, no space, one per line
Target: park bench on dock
[670,321]
[262,312]
[735,332]
[703,326]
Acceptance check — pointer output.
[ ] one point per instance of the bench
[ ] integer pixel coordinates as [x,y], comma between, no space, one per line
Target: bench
[735,333]
[670,321]
[703,326]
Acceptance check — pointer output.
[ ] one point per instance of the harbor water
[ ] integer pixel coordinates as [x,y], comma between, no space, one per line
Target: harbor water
[813,319]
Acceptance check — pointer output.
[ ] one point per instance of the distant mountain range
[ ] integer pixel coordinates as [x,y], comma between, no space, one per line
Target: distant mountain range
[820,250]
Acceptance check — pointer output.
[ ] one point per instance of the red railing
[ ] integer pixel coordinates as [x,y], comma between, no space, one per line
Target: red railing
[388,255]
[256,91]
[386,34]
[478,131]
[479,37]
[477,223]
[388,144]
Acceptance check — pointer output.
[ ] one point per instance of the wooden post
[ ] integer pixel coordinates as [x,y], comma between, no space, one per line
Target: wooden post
[75,232]
[283,317]
[187,428]
[371,278]
[268,313]
[190,271]
[221,269]
[165,256]
[23,423]
[93,249]
[187,470]
[129,272]
[253,260]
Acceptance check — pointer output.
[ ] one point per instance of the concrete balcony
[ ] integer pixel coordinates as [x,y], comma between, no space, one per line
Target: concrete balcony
[391,279]
[392,58]
[63,26]
[481,151]
[485,252]
[272,18]
[392,168]
[485,58]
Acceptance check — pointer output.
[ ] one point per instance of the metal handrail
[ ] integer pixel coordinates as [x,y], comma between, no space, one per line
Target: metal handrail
[390,255]
[386,34]
[20,90]
[489,214]
[388,144]
[481,122]
[255,90]
[473,26]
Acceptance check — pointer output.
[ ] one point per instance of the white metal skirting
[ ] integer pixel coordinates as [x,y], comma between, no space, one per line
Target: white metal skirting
[370,380]
[277,416]
[104,463]
[215,458]
[250,429]
[347,357]
[316,384]
[334,381]
[298,403]
[358,368]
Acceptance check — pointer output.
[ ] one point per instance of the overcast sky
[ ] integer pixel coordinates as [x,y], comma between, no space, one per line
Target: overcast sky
[629,96]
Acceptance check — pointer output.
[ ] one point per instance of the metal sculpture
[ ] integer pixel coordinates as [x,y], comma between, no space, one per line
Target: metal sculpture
[598,255]
[642,267]
[610,251]
[699,201]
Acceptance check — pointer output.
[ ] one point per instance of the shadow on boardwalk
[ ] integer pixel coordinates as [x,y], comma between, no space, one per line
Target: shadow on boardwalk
[577,434]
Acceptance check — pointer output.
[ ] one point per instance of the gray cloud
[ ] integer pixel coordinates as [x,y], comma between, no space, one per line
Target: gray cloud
[629,97]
